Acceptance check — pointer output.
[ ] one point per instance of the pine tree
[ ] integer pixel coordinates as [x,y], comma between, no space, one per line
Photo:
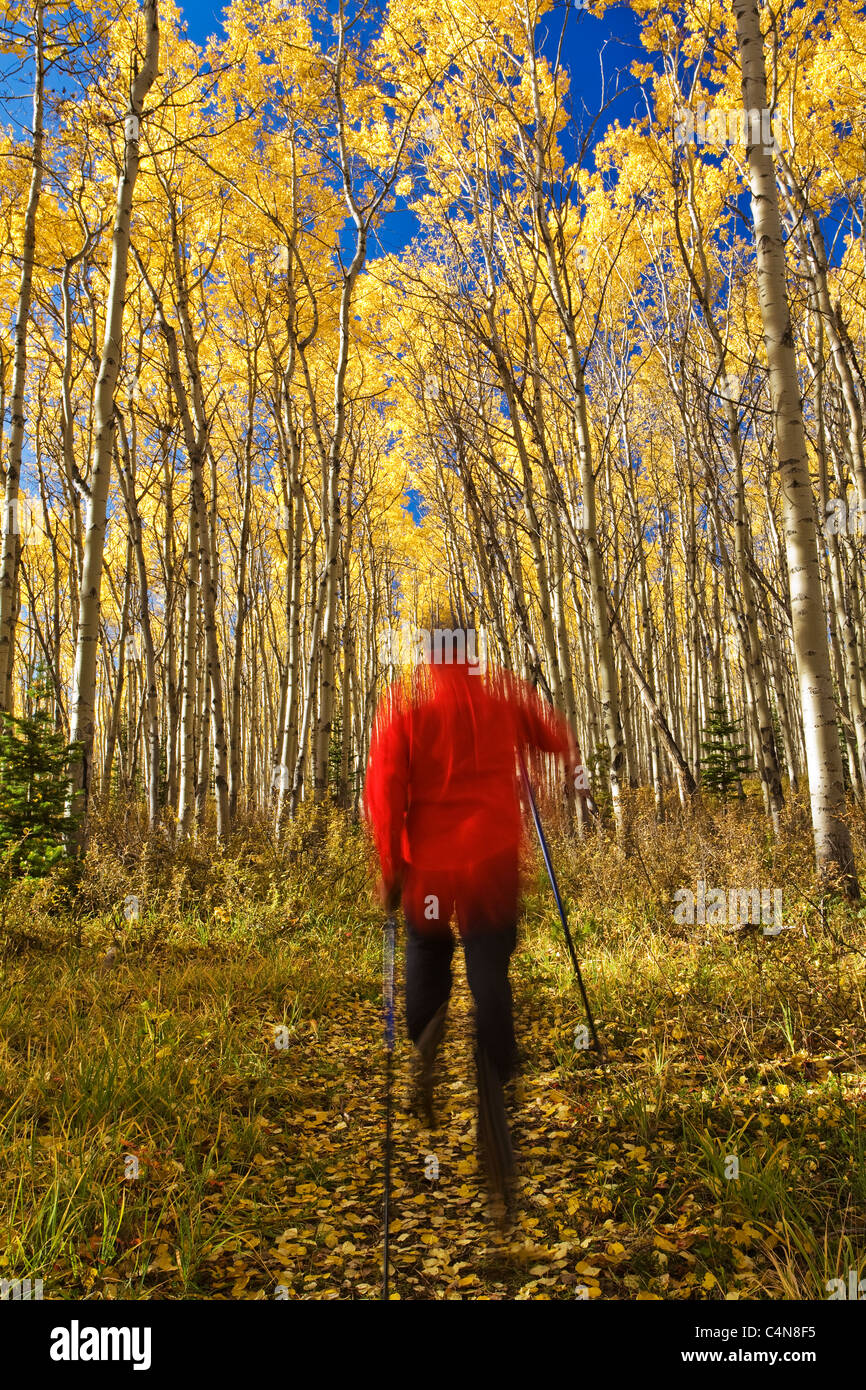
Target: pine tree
[34,775]
[723,757]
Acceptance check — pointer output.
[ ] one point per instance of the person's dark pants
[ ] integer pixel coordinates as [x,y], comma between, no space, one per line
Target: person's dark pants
[486,908]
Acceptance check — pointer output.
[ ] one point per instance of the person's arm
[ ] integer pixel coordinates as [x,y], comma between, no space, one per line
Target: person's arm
[542,728]
[386,795]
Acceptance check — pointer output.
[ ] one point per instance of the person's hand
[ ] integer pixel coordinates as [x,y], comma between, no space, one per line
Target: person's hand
[389,894]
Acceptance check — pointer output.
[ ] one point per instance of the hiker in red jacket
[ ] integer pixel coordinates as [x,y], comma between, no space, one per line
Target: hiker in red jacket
[442,801]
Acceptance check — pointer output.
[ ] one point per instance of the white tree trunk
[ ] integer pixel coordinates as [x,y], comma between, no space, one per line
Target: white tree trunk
[83,708]
[11,541]
[833,852]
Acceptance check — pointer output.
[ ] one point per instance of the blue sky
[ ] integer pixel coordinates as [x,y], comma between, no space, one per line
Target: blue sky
[585,37]
[594,51]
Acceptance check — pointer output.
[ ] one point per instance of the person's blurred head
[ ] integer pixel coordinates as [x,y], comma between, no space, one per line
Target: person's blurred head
[448,643]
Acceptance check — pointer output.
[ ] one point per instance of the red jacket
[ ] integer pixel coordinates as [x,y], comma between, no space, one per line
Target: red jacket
[442,790]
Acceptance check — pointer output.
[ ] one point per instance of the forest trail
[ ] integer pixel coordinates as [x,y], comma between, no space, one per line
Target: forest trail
[207,1119]
[442,1242]
[618,1171]
[319,329]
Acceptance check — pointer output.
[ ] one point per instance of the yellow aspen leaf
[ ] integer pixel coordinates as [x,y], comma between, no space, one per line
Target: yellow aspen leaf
[662,1244]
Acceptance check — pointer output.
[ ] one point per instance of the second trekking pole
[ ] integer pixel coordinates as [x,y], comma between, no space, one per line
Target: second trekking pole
[548,862]
[390,944]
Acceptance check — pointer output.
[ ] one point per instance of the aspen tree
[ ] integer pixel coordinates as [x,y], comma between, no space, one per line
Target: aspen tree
[833,851]
[186,791]
[10,542]
[83,704]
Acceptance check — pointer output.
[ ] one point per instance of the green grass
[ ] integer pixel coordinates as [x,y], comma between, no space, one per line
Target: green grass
[256,1166]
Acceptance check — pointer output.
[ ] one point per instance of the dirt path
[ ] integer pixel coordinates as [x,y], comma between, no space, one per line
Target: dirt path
[443,1245]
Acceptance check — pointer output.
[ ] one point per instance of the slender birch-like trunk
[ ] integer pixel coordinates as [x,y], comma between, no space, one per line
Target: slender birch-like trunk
[833,851]
[116,705]
[195,436]
[83,705]
[609,695]
[126,474]
[202,777]
[243,602]
[10,553]
[186,793]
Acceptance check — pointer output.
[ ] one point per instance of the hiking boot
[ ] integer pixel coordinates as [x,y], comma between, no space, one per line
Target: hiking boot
[423,1063]
[494,1139]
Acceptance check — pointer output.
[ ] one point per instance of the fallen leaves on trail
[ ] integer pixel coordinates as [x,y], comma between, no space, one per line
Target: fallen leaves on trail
[261,1166]
[581,1171]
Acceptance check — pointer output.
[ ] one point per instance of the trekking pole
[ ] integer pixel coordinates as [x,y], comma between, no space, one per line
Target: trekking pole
[388,994]
[548,862]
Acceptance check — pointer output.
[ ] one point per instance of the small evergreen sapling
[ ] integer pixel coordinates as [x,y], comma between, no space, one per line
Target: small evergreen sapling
[723,758]
[34,779]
